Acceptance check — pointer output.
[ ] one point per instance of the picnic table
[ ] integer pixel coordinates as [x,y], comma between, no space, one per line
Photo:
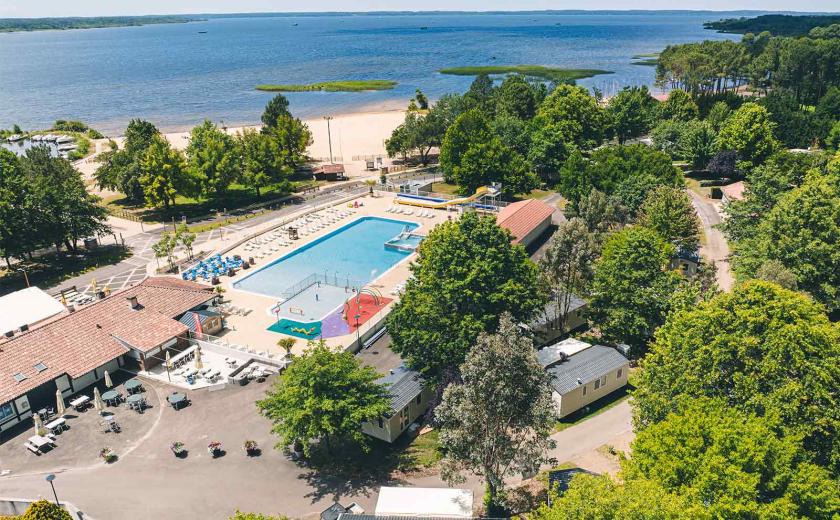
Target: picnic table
[39,441]
[132,385]
[176,399]
[136,400]
[79,402]
[111,397]
[57,425]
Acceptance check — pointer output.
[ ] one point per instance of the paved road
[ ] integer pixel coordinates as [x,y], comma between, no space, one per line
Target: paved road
[716,249]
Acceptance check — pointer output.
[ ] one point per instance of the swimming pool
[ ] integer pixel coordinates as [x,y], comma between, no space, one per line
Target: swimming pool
[354,252]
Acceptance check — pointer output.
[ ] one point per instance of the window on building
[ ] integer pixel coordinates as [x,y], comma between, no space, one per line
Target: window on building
[618,375]
[584,389]
[6,411]
[597,384]
[603,380]
[381,424]
[417,400]
[40,367]
[19,377]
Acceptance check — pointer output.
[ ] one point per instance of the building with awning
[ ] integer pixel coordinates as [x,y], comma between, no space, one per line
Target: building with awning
[328,172]
[131,328]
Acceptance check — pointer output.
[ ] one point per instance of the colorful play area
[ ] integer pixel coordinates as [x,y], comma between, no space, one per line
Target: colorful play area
[355,312]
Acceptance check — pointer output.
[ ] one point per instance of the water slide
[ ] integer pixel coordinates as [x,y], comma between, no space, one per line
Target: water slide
[437,203]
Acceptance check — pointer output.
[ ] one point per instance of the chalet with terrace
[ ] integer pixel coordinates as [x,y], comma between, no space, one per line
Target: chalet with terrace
[129,329]
[410,398]
[582,373]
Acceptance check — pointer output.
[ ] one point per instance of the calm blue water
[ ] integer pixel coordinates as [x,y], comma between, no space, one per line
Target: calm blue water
[355,251]
[175,77]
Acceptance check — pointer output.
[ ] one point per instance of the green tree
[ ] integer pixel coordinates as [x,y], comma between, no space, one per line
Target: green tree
[735,464]
[480,95]
[573,181]
[568,116]
[470,127]
[669,211]
[632,287]
[466,275]
[633,111]
[165,248]
[212,159]
[600,213]
[802,231]
[679,106]
[324,395]
[717,115]
[163,174]
[776,272]
[764,350]
[120,169]
[698,144]
[186,238]
[499,420]
[290,137]
[45,510]
[421,99]
[277,107]
[832,141]
[63,210]
[260,166]
[517,98]
[568,265]
[749,131]
[239,515]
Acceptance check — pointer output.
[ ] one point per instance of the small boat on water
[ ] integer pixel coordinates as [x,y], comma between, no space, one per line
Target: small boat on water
[202,32]
[36,138]
[15,137]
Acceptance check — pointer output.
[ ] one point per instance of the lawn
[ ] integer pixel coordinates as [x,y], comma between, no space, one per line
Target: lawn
[532,71]
[445,188]
[332,86]
[50,270]
[598,407]
[237,196]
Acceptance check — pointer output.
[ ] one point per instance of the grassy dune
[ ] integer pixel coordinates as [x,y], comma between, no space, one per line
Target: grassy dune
[534,71]
[333,86]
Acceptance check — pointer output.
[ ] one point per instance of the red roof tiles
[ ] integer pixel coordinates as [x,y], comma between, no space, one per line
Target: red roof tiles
[78,342]
[520,218]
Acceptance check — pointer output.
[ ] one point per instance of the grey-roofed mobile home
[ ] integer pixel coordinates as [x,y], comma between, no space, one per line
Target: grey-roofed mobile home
[409,400]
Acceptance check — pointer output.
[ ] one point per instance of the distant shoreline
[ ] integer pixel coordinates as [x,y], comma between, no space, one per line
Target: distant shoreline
[11,25]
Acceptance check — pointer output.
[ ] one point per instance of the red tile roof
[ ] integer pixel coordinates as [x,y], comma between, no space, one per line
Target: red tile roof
[520,218]
[78,342]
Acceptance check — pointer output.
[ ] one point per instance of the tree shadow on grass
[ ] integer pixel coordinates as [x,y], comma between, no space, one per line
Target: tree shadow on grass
[352,470]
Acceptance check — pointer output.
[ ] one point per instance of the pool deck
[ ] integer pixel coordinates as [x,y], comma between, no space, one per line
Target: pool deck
[251,329]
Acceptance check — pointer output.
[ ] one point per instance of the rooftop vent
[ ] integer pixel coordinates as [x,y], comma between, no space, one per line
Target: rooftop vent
[10,334]
[132,302]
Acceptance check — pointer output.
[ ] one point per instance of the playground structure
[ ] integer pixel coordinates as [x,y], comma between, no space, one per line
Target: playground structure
[439,203]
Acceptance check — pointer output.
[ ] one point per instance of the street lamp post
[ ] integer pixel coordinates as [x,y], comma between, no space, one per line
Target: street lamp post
[50,479]
[329,136]
[25,276]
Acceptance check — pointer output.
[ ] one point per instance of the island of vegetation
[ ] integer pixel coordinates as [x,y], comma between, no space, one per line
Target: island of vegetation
[650,59]
[776,24]
[559,75]
[333,86]
[98,22]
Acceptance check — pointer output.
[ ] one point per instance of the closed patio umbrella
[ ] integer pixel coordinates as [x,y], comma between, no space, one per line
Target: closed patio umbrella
[198,364]
[59,403]
[168,361]
[97,400]
[39,425]
[108,381]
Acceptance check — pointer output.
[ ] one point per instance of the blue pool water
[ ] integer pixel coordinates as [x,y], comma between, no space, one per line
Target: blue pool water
[355,251]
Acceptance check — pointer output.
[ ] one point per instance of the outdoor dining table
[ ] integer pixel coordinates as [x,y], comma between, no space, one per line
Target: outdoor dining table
[79,402]
[111,397]
[136,400]
[176,399]
[39,441]
[132,385]
[57,425]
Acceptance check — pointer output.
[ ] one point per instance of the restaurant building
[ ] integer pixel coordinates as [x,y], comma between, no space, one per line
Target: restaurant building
[131,329]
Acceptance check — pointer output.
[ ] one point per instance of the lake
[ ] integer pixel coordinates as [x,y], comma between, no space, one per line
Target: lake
[175,74]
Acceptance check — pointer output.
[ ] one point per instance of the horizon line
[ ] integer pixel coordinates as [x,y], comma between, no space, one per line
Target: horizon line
[434,11]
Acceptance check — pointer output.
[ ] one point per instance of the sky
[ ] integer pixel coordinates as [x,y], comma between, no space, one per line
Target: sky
[42,8]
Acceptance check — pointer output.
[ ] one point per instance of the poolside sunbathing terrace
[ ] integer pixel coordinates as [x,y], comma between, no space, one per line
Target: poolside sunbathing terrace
[336,281]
